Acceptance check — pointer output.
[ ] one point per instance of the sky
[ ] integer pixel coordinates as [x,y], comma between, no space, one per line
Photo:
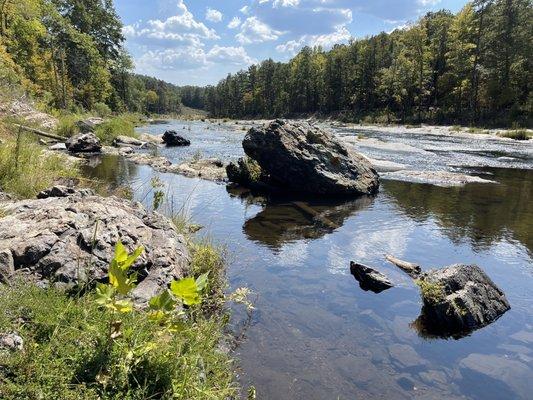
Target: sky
[198,42]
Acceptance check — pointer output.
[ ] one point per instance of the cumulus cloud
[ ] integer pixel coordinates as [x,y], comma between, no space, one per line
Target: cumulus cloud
[213,15]
[230,55]
[254,30]
[326,41]
[234,23]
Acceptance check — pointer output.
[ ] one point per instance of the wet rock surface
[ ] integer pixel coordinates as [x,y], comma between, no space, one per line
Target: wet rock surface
[459,299]
[70,239]
[211,169]
[84,143]
[303,158]
[369,278]
[172,138]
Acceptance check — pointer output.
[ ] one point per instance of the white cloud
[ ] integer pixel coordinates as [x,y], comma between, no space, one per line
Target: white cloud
[255,31]
[286,3]
[245,10]
[234,23]
[326,41]
[230,55]
[213,15]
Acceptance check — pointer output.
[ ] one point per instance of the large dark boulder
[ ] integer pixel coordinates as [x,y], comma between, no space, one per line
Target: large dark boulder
[459,298]
[171,138]
[67,238]
[303,158]
[84,143]
[90,124]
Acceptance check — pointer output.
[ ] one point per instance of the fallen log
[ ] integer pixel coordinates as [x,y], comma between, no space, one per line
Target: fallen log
[306,209]
[41,133]
[413,270]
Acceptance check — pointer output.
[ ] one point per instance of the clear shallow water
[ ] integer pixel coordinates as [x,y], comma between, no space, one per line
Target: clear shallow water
[316,334]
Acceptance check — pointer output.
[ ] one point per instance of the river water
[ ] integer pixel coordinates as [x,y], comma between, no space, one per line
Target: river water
[315,334]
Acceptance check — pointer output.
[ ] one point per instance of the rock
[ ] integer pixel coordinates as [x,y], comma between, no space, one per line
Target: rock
[460,298]
[90,124]
[369,279]
[5,196]
[171,138]
[11,342]
[64,191]
[84,143]
[128,141]
[437,178]
[210,168]
[406,356]
[69,240]
[7,266]
[58,147]
[302,158]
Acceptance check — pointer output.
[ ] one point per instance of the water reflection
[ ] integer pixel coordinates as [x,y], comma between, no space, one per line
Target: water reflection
[484,213]
[287,220]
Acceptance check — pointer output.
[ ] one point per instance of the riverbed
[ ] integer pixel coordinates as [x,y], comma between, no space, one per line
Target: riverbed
[315,334]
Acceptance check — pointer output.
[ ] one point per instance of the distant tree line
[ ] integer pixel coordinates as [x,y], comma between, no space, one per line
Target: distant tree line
[473,67]
[70,55]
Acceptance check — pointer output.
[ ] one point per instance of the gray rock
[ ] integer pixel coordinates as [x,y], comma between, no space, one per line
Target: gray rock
[58,147]
[7,265]
[209,168]
[127,141]
[11,342]
[303,158]
[460,298]
[84,143]
[64,191]
[68,237]
[171,138]
[89,124]
[369,278]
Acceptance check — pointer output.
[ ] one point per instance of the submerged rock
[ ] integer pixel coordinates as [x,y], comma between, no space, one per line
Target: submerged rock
[211,169]
[369,278]
[70,239]
[437,178]
[171,138]
[84,143]
[458,299]
[299,157]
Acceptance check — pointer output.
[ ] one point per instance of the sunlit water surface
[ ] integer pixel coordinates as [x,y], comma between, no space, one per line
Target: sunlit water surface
[315,333]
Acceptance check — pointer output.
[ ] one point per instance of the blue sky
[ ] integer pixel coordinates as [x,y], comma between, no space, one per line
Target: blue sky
[198,42]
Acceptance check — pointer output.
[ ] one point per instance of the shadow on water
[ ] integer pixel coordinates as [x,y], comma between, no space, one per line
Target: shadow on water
[285,220]
[484,213]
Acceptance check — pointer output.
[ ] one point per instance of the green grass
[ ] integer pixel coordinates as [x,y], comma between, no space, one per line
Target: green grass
[25,170]
[66,126]
[456,128]
[66,353]
[520,134]
[432,293]
[122,125]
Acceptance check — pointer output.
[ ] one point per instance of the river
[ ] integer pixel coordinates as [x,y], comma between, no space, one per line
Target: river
[315,334]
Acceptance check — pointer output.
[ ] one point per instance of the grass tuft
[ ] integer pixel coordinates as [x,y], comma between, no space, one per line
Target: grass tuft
[520,134]
[432,293]
[25,170]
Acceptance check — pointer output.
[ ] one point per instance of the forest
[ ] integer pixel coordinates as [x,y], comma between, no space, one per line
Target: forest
[70,55]
[470,68]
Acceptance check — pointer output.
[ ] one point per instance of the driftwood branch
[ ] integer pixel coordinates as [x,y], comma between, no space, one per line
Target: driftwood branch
[306,209]
[41,133]
[413,270]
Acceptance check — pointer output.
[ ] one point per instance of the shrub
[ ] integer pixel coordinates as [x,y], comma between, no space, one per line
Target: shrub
[520,134]
[118,126]
[102,110]
[25,170]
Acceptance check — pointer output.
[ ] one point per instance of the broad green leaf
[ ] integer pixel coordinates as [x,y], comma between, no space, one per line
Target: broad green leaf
[121,254]
[186,290]
[201,281]
[132,258]
[163,302]
[104,293]
[119,279]
[123,306]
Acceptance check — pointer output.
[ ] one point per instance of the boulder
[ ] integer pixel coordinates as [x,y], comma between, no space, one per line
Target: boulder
[171,138]
[459,298]
[303,158]
[70,239]
[58,147]
[11,342]
[89,124]
[84,143]
[369,278]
